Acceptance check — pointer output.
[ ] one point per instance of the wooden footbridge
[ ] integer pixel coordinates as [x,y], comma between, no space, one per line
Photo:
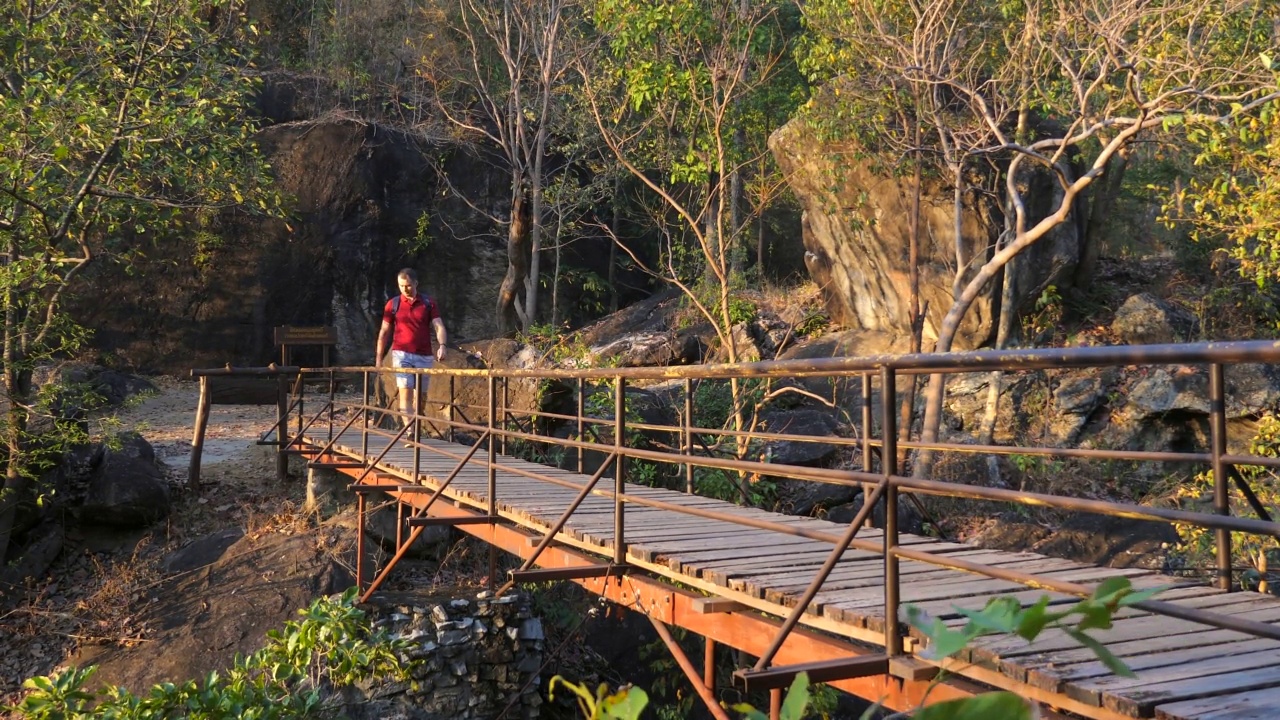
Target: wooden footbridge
[800,593]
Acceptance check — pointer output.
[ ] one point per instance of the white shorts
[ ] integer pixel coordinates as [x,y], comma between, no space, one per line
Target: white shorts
[402,359]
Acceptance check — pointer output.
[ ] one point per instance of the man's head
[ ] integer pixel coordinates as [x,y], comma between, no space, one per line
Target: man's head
[407,279]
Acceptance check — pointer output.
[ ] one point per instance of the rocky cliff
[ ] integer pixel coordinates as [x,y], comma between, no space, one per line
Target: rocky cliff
[857,232]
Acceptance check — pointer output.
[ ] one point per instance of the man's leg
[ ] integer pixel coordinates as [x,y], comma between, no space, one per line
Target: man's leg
[406,404]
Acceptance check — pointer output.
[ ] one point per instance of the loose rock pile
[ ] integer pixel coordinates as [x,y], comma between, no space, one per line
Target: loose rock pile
[480,658]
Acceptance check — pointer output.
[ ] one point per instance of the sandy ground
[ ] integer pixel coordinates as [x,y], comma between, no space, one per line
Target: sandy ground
[167,421]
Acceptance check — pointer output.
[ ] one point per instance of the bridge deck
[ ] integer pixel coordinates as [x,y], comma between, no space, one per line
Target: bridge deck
[1185,670]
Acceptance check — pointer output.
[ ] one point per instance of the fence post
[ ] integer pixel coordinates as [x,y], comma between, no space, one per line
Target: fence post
[197,439]
[282,429]
[332,392]
[1221,481]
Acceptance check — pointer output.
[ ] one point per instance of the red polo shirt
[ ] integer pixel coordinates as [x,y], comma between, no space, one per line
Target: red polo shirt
[412,324]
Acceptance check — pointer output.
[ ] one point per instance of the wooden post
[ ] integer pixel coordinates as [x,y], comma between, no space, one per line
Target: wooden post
[282,430]
[197,440]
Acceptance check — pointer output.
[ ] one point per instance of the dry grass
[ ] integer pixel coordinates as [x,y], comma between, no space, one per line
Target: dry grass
[122,588]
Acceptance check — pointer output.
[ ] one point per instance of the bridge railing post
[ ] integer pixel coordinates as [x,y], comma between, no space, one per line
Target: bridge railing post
[333,391]
[687,437]
[453,401]
[364,426]
[888,463]
[492,448]
[416,418]
[1221,479]
[582,410]
[620,471]
[506,413]
[493,477]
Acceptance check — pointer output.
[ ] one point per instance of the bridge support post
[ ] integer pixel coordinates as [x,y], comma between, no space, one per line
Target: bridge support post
[709,664]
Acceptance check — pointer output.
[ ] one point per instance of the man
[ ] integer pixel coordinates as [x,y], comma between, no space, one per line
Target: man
[407,322]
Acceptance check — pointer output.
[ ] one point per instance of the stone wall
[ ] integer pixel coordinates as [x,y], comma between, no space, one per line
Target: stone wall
[480,656]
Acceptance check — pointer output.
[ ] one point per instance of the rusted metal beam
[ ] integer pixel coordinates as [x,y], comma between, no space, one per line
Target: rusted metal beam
[709,605]
[570,573]
[780,676]
[450,522]
[334,465]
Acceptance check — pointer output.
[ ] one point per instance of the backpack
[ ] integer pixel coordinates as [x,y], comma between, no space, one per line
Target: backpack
[395,305]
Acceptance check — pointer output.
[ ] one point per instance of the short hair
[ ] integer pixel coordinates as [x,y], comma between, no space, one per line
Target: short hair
[409,273]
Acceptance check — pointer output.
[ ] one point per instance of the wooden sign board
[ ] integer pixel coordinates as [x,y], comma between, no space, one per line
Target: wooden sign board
[306,335]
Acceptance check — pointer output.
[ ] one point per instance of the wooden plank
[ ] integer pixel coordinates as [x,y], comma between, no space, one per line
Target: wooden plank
[1093,690]
[1086,672]
[1127,629]
[1141,702]
[1252,705]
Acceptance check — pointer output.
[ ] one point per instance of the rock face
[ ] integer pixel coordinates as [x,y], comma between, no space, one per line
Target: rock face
[363,201]
[856,234]
[357,192]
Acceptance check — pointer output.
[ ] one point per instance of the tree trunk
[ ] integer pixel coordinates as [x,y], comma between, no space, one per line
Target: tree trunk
[917,317]
[613,246]
[1104,202]
[535,231]
[510,314]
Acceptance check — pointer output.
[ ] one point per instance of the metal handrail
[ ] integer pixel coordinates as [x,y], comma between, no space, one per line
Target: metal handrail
[886,480]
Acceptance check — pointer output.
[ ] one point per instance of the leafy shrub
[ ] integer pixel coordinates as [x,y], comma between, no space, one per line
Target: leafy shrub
[293,676]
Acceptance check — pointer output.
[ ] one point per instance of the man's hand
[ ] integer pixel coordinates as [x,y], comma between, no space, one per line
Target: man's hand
[440,352]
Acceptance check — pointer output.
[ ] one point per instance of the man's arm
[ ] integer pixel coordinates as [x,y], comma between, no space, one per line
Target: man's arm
[384,336]
[441,337]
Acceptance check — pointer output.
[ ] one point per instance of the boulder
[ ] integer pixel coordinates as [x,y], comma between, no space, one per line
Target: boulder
[1145,319]
[126,489]
[856,235]
[802,497]
[650,349]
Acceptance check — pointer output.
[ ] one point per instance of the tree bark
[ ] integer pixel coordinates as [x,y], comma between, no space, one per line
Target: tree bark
[510,314]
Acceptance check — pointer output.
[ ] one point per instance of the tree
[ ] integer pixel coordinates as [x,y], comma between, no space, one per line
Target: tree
[122,123]
[500,85]
[684,94]
[1067,88]
[1235,203]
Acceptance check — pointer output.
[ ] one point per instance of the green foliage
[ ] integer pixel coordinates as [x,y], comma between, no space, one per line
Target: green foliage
[813,325]
[1235,202]
[293,676]
[1039,325]
[625,704]
[122,124]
